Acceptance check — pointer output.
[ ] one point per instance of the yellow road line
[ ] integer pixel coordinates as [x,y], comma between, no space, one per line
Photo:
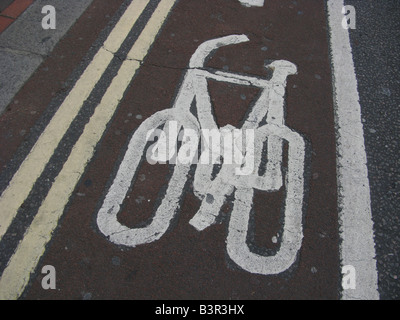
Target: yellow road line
[24,179]
[16,276]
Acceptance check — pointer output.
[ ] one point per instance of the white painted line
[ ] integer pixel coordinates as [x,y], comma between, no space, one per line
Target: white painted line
[16,276]
[356,226]
[33,165]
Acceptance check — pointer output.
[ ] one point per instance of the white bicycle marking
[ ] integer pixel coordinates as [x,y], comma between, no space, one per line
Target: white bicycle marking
[229,181]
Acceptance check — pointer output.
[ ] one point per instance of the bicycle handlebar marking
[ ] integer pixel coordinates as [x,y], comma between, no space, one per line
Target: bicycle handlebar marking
[214,192]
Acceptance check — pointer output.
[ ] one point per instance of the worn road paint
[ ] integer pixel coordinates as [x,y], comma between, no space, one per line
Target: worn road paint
[32,167]
[252,3]
[16,276]
[213,192]
[357,246]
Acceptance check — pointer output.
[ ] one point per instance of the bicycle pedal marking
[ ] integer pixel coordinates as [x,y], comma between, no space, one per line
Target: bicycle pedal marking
[232,179]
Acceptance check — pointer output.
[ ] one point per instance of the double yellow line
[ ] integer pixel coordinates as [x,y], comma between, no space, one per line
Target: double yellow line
[24,260]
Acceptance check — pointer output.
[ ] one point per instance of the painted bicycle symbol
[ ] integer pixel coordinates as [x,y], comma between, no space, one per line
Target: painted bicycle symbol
[266,119]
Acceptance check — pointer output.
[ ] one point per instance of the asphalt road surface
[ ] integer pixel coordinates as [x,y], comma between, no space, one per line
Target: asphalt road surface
[109,188]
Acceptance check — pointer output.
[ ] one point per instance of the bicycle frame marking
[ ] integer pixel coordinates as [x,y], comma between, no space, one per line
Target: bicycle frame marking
[214,192]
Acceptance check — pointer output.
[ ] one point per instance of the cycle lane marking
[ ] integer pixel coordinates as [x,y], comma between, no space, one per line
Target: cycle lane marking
[357,247]
[31,168]
[23,262]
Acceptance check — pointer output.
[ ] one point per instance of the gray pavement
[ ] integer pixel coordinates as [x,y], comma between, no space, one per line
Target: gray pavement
[25,44]
[4,4]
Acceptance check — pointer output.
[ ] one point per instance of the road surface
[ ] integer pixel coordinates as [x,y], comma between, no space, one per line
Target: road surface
[316,217]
